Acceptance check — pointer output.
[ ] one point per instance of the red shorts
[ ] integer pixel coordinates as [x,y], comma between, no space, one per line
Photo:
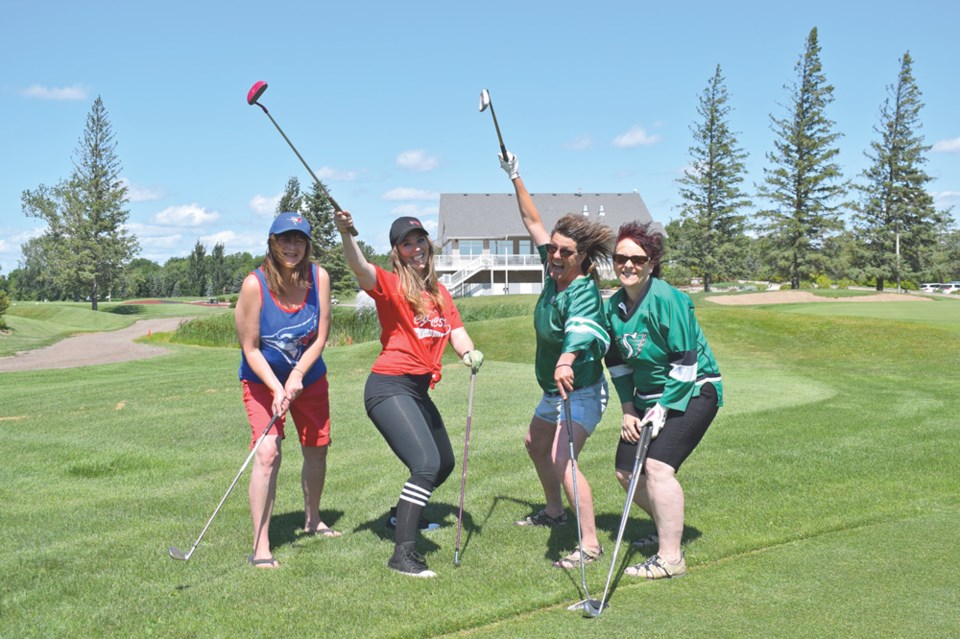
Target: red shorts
[310,411]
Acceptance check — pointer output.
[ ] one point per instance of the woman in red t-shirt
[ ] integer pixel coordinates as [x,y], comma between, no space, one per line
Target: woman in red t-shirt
[417,318]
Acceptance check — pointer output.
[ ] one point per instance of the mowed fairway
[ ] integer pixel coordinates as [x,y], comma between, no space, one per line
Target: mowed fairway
[823,502]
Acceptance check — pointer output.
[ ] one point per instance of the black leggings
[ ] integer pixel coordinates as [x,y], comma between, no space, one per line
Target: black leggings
[408,420]
[680,434]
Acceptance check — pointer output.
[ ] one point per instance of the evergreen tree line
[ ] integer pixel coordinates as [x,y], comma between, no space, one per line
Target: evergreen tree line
[800,234]
[814,224]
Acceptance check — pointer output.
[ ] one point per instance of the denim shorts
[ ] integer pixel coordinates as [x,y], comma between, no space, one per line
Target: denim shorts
[586,406]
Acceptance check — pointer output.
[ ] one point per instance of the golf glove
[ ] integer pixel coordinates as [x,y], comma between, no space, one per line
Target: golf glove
[473,359]
[656,417]
[510,165]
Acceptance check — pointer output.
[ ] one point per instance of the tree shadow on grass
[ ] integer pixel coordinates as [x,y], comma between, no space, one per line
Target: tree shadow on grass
[128,309]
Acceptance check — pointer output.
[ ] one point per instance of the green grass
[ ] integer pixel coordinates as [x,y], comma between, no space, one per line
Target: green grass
[824,500]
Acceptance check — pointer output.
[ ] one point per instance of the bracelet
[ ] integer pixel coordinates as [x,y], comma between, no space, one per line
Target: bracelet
[561,365]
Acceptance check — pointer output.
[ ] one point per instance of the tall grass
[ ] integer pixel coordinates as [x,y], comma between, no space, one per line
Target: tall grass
[348,324]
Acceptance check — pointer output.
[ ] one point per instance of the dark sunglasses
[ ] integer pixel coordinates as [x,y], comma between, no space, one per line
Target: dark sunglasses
[638,260]
[564,252]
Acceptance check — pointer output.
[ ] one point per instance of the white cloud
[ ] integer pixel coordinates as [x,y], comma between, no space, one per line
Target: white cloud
[265,206]
[76,92]
[636,136]
[253,243]
[406,193]
[946,199]
[417,160]
[340,175]
[947,146]
[137,193]
[186,215]
[581,143]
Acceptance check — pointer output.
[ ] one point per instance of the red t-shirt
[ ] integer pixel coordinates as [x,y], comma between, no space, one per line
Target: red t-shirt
[411,345]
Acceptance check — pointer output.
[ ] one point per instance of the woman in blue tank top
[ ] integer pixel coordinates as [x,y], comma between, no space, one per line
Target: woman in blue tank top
[283,319]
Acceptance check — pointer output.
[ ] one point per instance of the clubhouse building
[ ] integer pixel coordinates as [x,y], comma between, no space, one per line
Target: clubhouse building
[485,249]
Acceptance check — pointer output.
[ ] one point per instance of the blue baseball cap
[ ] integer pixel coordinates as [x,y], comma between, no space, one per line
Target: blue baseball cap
[290,222]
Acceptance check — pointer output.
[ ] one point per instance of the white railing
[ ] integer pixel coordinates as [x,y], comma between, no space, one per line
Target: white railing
[461,262]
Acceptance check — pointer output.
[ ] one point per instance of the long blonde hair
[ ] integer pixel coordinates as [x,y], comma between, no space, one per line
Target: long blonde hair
[272,270]
[413,285]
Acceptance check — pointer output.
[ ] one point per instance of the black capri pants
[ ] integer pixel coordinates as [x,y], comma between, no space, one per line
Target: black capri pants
[680,434]
[401,409]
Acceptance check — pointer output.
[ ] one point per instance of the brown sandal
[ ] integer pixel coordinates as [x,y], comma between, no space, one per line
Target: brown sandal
[574,559]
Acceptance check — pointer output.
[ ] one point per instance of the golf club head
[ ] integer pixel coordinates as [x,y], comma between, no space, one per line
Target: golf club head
[484,100]
[256,91]
[176,553]
[593,608]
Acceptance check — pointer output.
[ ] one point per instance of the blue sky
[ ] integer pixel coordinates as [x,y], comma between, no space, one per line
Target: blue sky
[381,99]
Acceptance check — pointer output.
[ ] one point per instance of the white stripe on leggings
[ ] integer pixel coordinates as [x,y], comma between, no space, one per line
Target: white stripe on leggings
[415,494]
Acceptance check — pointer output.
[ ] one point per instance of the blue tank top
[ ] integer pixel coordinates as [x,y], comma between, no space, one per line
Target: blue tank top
[285,335]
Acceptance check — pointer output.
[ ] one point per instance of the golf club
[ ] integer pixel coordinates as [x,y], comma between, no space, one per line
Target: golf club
[176,553]
[485,102]
[463,473]
[588,604]
[638,461]
[252,96]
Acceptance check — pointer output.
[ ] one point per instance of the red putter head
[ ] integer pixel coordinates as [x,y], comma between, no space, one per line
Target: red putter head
[255,92]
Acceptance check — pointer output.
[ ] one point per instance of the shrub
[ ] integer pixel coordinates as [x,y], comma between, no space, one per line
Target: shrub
[822,281]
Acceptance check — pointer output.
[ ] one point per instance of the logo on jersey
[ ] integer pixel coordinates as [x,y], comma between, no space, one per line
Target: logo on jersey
[292,341]
[431,325]
[631,344]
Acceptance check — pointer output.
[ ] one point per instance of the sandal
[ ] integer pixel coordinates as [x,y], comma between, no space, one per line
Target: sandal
[574,559]
[543,519]
[657,567]
[326,532]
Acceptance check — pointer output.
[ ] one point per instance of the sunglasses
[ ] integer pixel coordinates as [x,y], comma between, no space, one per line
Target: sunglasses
[638,260]
[564,252]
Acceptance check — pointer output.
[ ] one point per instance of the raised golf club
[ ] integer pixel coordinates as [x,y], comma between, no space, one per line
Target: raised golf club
[486,102]
[588,604]
[638,460]
[253,95]
[463,473]
[175,552]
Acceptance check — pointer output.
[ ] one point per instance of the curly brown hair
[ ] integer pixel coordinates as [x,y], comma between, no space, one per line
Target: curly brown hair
[593,238]
[646,236]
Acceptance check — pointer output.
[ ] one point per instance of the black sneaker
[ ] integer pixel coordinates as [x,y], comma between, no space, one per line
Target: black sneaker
[410,563]
[424,525]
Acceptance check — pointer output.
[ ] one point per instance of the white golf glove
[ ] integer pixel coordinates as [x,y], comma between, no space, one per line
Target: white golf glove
[473,359]
[656,417]
[510,165]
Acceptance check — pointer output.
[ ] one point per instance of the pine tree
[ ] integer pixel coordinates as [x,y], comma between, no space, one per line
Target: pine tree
[714,231]
[897,224]
[805,183]
[196,271]
[85,215]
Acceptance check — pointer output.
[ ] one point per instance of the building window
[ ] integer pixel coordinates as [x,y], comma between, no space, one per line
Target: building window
[526,247]
[501,247]
[471,248]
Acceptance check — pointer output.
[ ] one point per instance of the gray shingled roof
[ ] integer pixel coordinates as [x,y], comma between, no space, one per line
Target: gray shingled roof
[493,215]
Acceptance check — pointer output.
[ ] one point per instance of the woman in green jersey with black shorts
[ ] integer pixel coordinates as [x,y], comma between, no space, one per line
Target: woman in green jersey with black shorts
[664,375]
[571,342]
